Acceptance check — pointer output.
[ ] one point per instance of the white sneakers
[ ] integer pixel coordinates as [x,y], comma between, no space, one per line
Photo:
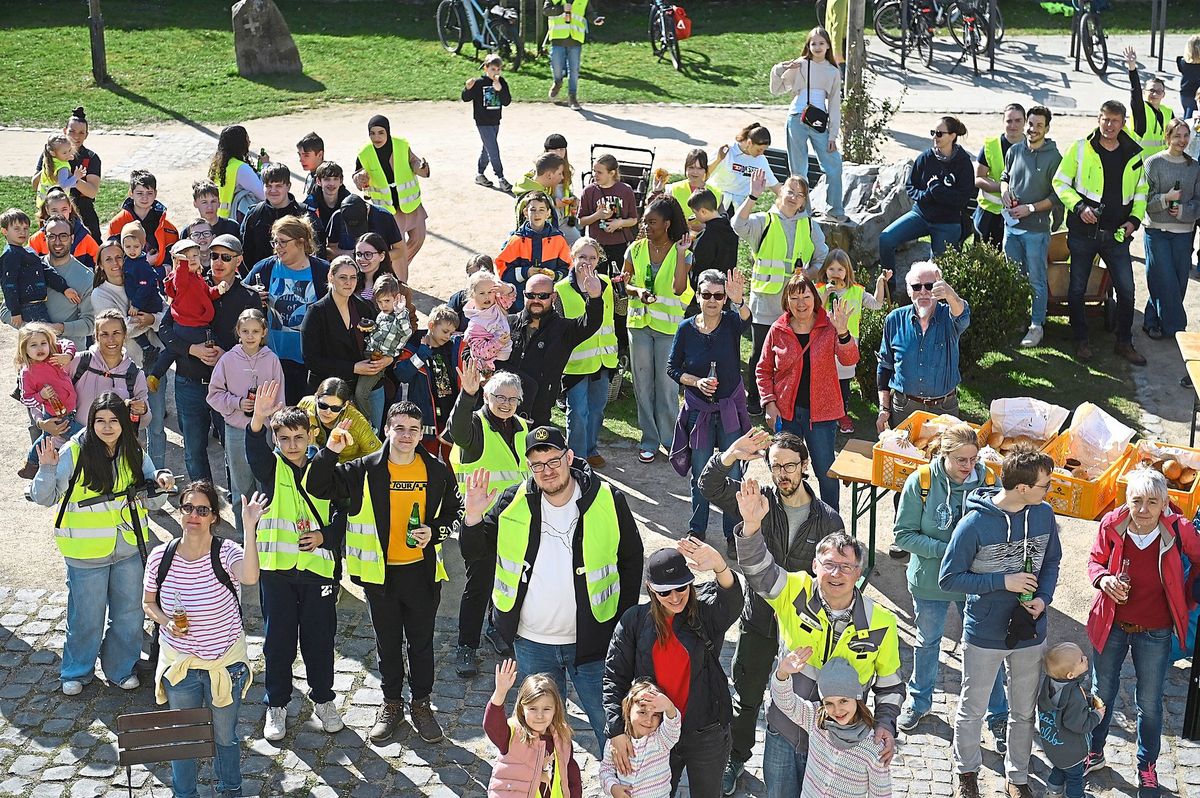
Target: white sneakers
[327,713]
[132,683]
[72,687]
[1033,336]
[276,725]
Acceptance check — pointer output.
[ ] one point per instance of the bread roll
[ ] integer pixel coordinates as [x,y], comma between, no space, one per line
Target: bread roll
[1172,469]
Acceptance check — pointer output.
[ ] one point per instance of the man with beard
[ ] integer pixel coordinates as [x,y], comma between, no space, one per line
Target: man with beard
[796,520]
[73,320]
[989,225]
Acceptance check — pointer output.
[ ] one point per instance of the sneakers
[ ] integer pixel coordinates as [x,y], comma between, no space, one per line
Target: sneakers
[968,786]
[645,457]
[132,683]
[1053,790]
[504,185]
[1127,351]
[72,687]
[1033,336]
[733,769]
[574,104]
[1000,735]
[846,425]
[1147,781]
[275,726]
[836,218]
[152,384]
[331,720]
[1017,790]
[1083,351]
[481,180]
[1094,762]
[493,636]
[464,661]
[1154,333]
[555,89]
[909,719]
[423,719]
[390,717]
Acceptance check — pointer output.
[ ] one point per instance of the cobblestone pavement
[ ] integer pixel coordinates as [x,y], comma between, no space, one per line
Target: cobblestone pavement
[52,746]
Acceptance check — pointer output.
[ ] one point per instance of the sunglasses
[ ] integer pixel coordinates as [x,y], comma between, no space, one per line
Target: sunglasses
[937,134]
[226,258]
[537,294]
[921,286]
[707,295]
[202,510]
[330,408]
[672,591]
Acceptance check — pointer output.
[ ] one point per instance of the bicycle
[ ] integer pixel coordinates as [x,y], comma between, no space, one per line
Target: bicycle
[972,32]
[662,33]
[1087,34]
[496,29]
[887,19]
[923,19]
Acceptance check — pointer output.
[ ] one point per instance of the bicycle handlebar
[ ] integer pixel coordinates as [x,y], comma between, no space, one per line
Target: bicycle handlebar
[148,487]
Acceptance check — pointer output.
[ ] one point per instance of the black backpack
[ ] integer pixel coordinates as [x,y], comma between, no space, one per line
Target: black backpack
[214,553]
[85,365]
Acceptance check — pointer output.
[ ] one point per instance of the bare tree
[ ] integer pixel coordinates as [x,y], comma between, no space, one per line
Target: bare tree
[99,58]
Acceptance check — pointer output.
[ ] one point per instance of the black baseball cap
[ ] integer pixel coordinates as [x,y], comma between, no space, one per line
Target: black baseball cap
[666,569]
[545,436]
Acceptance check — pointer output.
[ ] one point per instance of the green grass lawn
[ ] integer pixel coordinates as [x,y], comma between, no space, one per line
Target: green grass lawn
[15,192]
[175,60]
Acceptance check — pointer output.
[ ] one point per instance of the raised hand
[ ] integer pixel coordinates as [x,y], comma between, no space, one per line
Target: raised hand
[47,454]
[884,276]
[468,377]
[752,505]
[266,402]
[794,661]
[839,318]
[339,437]
[476,496]
[735,285]
[253,508]
[758,183]
[506,677]
[700,556]
[1130,59]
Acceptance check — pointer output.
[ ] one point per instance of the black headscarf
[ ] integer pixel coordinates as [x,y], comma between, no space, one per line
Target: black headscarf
[385,152]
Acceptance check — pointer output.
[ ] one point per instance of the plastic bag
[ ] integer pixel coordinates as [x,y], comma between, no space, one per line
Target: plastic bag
[896,441]
[1097,440]
[1025,416]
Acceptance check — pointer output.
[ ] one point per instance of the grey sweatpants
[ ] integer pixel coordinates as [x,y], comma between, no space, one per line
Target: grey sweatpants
[979,669]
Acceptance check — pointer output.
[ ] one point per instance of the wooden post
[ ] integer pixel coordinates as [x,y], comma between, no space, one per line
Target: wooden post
[856,59]
[96,28]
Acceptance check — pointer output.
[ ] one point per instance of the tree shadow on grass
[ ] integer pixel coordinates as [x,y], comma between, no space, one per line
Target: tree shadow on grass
[284,82]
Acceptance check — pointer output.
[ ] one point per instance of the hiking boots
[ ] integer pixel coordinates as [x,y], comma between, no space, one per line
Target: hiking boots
[1017,790]
[389,719]
[968,786]
[1127,351]
[423,719]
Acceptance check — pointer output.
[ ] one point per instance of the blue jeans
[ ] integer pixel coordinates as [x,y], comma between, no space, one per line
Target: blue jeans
[558,662]
[156,433]
[819,438]
[1151,658]
[586,401]
[489,134]
[656,393]
[799,136]
[783,766]
[1168,261]
[910,227]
[117,589]
[720,440]
[566,60]
[1115,254]
[241,478]
[375,407]
[195,419]
[1030,250]
[1070,780]
[930,620]
[195,691]
[73,426]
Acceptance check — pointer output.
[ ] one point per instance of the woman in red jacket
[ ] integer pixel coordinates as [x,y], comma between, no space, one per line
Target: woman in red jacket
[797,374]
[1136,566]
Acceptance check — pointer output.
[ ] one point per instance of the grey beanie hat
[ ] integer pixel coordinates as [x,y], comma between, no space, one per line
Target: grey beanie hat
[838,678]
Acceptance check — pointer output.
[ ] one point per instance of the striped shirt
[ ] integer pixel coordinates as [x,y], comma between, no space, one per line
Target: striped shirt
[651,777]
[214,623]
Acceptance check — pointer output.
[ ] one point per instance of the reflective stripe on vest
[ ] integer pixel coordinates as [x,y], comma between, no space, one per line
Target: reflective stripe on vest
[504,468]
[50,181]
[1089,178]
[994,152]
[90,533]
[286,519]
[666,314]
[559,28]
[364,550]
[601,348]
[600,539]
[408,190]
[853,299]
[1154,140]
[772,265]
[226,190]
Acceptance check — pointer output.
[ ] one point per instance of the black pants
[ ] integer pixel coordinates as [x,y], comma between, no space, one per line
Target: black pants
[304,612]
[990,228]
[475,599]
[295,381]
[704,753]
[404,611]
[758,333]
[753,659]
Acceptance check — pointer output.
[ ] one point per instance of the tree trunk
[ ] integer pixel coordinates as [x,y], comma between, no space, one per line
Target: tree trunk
[99,58]
[856,60]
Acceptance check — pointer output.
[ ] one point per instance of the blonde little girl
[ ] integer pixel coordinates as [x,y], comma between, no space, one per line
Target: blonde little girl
[653,724]
[535,743]
[46,388]
[56,167]
[488,334]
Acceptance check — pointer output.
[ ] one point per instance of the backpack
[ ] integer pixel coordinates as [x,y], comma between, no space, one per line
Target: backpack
[925,479]
[214,553]
[683,24]
[85,365]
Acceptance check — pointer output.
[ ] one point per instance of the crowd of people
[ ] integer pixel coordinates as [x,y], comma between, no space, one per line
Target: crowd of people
[360,438]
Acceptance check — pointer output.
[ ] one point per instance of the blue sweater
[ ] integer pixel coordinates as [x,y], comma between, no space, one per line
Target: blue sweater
[25,278]
[989,543]
[143,285]
[692,352]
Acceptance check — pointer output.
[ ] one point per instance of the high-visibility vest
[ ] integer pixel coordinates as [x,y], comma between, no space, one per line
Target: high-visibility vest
[286,519]
[504,468]
[408,190]
[364,549]
[682,192]
[226,190]
[853,299]
[90,533]
[49,179]
[600,539]
[558,27]
[994,152]
[772,266]
[1080,176]
[1154,140]
[601,348]
[666,314]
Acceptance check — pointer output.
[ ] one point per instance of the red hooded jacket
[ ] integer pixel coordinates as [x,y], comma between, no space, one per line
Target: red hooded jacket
[778,370]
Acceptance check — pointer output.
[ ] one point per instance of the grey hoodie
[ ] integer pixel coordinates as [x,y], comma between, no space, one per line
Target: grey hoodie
[1065,720]
[1028,174]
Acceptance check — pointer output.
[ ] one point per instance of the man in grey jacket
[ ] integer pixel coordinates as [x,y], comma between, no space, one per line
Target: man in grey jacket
[796,521]
[1030,202]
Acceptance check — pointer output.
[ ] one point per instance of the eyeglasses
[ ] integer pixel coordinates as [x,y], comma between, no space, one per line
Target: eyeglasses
[835,568]
[937,134]
[279,242]
[965,461]
[202,510]
[707,295]
[921,286]
[200,236]
[552,463]
[538,294]
[501,399]
[365,255]
[785,468]
[59,236]
[1042,487]
[223,257]
[672,591]
[328,408]
[1155,91]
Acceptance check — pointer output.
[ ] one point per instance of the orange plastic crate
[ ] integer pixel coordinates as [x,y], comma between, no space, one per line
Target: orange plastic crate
[1081,498]
[890,470]
[1188,501]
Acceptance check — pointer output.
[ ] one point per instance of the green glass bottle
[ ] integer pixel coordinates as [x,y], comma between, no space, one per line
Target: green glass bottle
[1028,569]
[414,521]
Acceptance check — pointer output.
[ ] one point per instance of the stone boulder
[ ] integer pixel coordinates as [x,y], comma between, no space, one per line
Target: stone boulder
[262,41]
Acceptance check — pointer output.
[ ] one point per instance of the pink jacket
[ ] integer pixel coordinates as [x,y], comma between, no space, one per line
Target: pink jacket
[779,368]
[518,773]
[235,374]
[1105,559]
[37,376]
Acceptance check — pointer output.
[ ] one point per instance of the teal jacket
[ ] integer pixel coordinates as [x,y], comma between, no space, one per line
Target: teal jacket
[917,528]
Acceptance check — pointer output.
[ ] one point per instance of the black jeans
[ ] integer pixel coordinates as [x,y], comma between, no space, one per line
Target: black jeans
[295,381]
[704,753]
[475,599]
[1115,254]
[404,611]
[304,612]
[753,659]
[990,228]
[758,333]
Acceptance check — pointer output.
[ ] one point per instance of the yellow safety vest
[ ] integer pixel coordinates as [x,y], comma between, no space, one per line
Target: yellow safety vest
[226,190]
[49,179]
[364,549]
[408,190]
[504,468]
[992,150]
[286,519]
[666,314]
[600,539]
[772,266]
[1154,140]
[90,533]
[682,192]
[572,24]
[601,348]
[1080,176]
[852,297]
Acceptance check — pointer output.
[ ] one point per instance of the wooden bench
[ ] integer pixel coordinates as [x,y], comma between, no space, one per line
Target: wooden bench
[147,737]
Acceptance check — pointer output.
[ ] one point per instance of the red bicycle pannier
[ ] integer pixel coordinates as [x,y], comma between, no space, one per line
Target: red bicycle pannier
[683,24]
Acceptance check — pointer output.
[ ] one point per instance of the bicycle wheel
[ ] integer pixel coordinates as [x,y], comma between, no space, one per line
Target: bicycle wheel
[819,7]
[657,38]
[1095,46]
[451,30]
[925,36]
[997,26]
[970,32]
[887,24]
[673,48]
[510,50]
